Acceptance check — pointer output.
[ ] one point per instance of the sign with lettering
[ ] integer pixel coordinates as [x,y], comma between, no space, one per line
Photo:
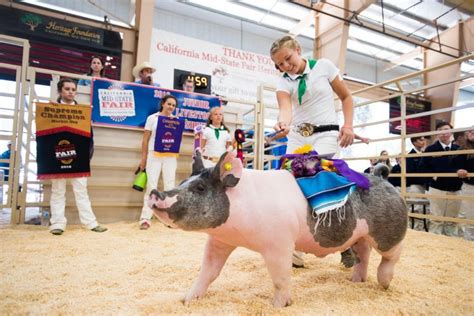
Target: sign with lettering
[118,103]
[169,132]
[235,74]
[63,140]
[31,25]
[413,105]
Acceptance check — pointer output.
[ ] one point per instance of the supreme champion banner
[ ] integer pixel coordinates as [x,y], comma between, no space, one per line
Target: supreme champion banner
[63,140]
[169,132]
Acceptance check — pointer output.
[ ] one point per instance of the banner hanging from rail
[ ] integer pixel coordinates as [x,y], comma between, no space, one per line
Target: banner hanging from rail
[117,103]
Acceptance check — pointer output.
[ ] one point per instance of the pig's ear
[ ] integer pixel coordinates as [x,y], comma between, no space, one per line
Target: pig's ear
[198,165]
[228,170]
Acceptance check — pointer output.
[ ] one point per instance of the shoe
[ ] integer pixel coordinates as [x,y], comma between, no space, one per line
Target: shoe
[57,231]
[99,229]
[145,225]
[348,258]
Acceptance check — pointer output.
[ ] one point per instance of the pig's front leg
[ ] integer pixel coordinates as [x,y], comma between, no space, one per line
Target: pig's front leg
[215,256]
[278,263]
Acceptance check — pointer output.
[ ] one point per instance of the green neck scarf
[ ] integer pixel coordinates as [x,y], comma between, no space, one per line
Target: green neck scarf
[217,130]
[302,79]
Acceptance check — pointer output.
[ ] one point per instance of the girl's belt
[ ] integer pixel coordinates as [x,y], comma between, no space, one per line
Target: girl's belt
[308,129]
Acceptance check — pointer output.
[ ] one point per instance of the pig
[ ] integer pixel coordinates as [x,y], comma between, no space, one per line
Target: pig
[265,211]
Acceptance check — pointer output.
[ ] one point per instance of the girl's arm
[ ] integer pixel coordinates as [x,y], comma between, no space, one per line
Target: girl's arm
[346,135]
[285,115]
[146,139]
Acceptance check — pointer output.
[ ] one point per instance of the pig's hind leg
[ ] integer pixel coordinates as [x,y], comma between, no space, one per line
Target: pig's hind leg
[215,256]
[362,251]
[278,263]
[387,265]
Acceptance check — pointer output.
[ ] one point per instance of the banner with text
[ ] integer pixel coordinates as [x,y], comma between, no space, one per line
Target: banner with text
[63,140]
[169,132]
[119,103]
[413,105]
[235,73]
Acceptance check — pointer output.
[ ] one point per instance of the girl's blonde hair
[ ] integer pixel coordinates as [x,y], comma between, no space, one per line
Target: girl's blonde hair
[285,41]
[209,120]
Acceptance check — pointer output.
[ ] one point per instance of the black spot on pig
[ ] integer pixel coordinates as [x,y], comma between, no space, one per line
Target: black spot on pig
[381,206]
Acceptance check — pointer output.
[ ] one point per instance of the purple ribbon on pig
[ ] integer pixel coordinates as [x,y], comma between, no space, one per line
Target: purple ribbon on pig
[340,165]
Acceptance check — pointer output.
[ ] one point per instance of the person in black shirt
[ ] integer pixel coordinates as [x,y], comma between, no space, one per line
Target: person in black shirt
[442,185]
[416,184]
[465,165]
[396,181]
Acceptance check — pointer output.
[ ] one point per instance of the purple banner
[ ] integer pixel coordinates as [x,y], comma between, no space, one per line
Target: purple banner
[169,133]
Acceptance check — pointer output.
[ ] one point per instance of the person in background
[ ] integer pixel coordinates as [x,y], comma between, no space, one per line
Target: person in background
[155,164]
[144,72]
[216,138]
[416,184]
[385,159]
[373,162]
[96,69]
[5,166]
[464,165]
[396,169]
[188,85]
[446,186]
[460,138]
[305,95]
[67,93]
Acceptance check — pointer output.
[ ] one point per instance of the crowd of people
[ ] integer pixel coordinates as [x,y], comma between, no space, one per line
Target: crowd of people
[440,187]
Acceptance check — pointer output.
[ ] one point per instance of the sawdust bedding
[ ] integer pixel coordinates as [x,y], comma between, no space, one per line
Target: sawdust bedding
[127,271]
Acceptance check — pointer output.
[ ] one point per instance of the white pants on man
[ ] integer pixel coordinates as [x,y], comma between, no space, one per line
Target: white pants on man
[58,203]
[154,166]
[444,207]
[325,144]
[467,211]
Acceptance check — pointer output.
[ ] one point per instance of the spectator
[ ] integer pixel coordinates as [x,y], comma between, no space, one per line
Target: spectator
[67,92]
[460,138]
[96,69]
[373,162]
[215,138]
[385,159]
[465,165]
[144,73]
[188,85]
[396,169]
[416,184]
[447,186]
[5,166]
[154,164]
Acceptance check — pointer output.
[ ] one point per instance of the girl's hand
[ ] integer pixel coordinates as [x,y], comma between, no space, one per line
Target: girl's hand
[142,164]
[281,126]
[346,136]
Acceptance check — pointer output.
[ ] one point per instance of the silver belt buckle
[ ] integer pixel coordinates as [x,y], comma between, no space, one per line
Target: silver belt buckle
[305,129]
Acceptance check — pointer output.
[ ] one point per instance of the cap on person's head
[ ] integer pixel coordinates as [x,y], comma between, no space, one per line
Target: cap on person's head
[138,68]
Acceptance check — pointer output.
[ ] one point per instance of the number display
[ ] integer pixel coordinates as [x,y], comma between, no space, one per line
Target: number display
[199,81]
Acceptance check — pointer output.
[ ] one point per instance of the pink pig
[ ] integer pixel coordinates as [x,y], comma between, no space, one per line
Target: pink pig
[265,211]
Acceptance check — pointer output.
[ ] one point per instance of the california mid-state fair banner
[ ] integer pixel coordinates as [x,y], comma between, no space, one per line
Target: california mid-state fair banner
[124,104]
[63,137]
